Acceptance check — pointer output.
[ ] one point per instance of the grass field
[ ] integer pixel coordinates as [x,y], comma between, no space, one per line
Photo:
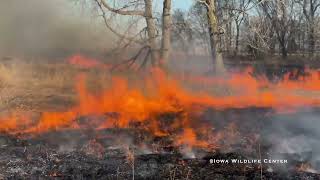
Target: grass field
[39,86]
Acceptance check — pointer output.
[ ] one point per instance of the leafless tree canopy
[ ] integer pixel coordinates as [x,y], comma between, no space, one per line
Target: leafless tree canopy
[147,32]
[256,28]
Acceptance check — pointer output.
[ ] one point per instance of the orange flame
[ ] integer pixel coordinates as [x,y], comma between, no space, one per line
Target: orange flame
[143,106]
[84,62]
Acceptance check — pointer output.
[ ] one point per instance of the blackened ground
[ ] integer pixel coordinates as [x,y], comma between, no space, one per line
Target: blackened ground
[91,154]
[20,160]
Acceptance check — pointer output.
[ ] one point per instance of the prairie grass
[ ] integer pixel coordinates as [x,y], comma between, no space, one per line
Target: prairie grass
[40,86]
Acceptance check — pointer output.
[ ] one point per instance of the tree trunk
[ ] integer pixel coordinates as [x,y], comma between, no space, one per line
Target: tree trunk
[237,39]
[229,37]
[166,31]
[284,51]
[303,44]
[215,45]
[312,24]
[311,40]
[151,30]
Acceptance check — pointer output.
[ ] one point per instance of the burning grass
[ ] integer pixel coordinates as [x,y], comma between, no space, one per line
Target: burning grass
[154,102]
[70,117]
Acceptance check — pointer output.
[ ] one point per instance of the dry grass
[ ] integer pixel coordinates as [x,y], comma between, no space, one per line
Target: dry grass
[40,86]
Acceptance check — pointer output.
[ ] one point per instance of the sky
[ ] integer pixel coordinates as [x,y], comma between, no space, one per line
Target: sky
[182,4]
[176,4]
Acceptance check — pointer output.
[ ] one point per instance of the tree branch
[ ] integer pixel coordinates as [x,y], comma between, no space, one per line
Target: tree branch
[122,36]
[122,12]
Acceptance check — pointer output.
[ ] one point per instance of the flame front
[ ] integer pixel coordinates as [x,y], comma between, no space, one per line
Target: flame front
[123,105]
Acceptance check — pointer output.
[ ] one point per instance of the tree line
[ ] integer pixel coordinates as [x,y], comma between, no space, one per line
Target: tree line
[219,28]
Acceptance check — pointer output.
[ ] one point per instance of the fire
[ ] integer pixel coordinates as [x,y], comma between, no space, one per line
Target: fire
[144,106]
[85,62]
[247,91]
[190,139]
[310,82]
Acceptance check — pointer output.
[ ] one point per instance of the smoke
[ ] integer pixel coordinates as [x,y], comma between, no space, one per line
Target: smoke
[51,28]
[296,135]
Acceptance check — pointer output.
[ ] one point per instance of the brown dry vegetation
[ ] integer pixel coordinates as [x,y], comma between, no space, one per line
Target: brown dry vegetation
[38,86]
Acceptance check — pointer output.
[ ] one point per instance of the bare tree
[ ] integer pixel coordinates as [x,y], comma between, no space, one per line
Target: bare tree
[152,31]
[227,16]
[215,35]
[310,8]
[199,26]
[239,10]
[182,32]
[151,28]
[217,26]
[166,30]
[280,14]
[146,12]
[258,34]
